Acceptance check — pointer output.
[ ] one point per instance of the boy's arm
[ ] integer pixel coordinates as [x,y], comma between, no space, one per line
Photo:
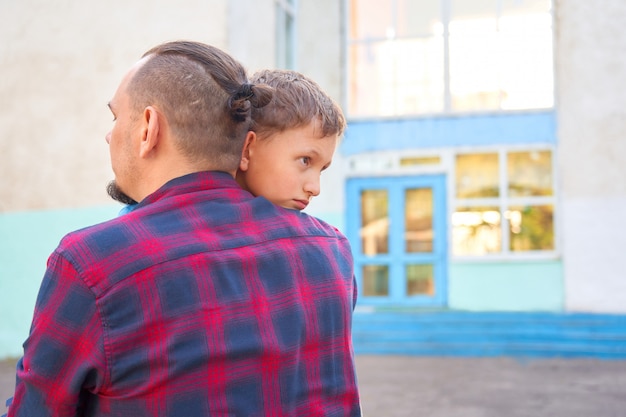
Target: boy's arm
[63,355]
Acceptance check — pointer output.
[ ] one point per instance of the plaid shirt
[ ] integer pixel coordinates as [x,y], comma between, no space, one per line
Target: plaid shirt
[203,301]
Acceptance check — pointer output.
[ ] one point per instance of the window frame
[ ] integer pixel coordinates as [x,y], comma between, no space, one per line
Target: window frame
[504,202]
[285,32]
[388,164]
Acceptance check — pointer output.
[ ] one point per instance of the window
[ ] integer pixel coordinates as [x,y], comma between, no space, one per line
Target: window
[503,203]
[430,56]
[285,33]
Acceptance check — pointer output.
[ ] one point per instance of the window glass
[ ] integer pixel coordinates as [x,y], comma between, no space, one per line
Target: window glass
[285,32]
[531,228]
[474,56]
[375,280]
[419,280]
[521,220]
[498,56]
[477,175]
[476,230]
[401,77]
[418,18]
[374,222]
[529,173]
[371,19]
[418,219]
[420,160]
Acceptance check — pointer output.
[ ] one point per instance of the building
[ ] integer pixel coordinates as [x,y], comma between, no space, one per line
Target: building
[479,181]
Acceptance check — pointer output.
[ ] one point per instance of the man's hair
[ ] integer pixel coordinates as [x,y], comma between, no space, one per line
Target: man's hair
[205,95]
[296,102]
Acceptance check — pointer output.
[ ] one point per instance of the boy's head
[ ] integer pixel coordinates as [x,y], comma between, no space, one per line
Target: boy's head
[297,101]
[292,140]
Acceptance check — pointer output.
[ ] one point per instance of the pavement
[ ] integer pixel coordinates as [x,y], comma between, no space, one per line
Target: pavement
[413,386]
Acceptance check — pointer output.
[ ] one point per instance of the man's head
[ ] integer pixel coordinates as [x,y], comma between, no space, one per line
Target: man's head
[292,141]
[184,107]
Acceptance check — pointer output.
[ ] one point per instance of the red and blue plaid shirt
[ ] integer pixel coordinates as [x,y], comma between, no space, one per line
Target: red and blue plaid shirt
[203,301]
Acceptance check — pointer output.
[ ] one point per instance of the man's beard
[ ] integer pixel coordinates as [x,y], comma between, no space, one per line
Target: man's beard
[117,194]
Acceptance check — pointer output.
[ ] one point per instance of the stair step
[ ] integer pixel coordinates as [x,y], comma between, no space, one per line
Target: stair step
[490,334]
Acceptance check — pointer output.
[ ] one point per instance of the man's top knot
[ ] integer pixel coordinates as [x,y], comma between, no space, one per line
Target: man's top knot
[245,92]
[255,95]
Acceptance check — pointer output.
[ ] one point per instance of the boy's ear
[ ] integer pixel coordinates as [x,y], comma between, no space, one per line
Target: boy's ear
[150,131]
[245,153]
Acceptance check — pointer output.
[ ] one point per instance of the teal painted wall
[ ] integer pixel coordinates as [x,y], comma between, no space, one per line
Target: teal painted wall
[26,241]
[506,286]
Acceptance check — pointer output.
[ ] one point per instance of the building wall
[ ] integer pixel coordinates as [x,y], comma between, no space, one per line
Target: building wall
[320,55]
[591,99]
[590,149]
[61,63]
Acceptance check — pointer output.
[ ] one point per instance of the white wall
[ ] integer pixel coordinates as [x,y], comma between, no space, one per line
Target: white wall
[591,74]
[61,62]
[251,33]
[320,56]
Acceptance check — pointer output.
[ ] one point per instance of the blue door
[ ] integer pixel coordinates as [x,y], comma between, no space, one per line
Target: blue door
[397,228]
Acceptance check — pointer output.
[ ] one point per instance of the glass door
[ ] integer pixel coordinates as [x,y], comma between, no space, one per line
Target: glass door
[397,229]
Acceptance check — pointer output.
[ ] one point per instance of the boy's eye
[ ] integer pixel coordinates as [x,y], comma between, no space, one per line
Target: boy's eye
[305,160]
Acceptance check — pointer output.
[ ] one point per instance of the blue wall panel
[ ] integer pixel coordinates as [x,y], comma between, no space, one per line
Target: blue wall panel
[439,132]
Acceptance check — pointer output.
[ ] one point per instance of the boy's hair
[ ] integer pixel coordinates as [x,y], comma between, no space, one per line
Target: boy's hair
[297,100]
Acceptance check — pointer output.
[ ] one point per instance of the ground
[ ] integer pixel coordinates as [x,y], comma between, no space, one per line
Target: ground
[408,386]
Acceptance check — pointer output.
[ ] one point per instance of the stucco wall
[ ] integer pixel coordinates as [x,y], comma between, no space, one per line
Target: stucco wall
[61,62]
[320,55]
[591,99]
[60,65]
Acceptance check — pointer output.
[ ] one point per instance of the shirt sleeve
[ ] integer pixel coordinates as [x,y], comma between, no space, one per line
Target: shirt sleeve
[63,360]
[355,292]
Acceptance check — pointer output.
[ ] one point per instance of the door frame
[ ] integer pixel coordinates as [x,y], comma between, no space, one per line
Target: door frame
[397,258]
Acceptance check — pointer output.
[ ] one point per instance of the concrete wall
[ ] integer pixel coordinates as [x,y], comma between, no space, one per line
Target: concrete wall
[591,100]
[320,55]
[61,62]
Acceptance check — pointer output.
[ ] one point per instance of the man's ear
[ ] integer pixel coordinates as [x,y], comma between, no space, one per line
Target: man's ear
[151,124]
[245,153]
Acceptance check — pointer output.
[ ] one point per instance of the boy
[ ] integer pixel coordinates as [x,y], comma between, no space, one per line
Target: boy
[292,140]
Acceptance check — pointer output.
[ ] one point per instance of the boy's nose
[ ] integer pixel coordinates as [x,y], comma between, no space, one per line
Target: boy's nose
[313,187]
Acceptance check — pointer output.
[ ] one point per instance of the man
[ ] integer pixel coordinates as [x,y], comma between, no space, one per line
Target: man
[203,300]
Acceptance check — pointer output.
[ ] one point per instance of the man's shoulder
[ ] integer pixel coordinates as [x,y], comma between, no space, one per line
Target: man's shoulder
[310,225]
[89,241]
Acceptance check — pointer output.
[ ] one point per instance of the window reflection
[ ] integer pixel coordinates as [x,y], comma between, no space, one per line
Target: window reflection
[418,218]
[498,55]
[494,49]
[386,80]
[529,173]
[419,280]
[395,57]
[375,280]
[374,222]
[476,230]
[531,228]
[477,175]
